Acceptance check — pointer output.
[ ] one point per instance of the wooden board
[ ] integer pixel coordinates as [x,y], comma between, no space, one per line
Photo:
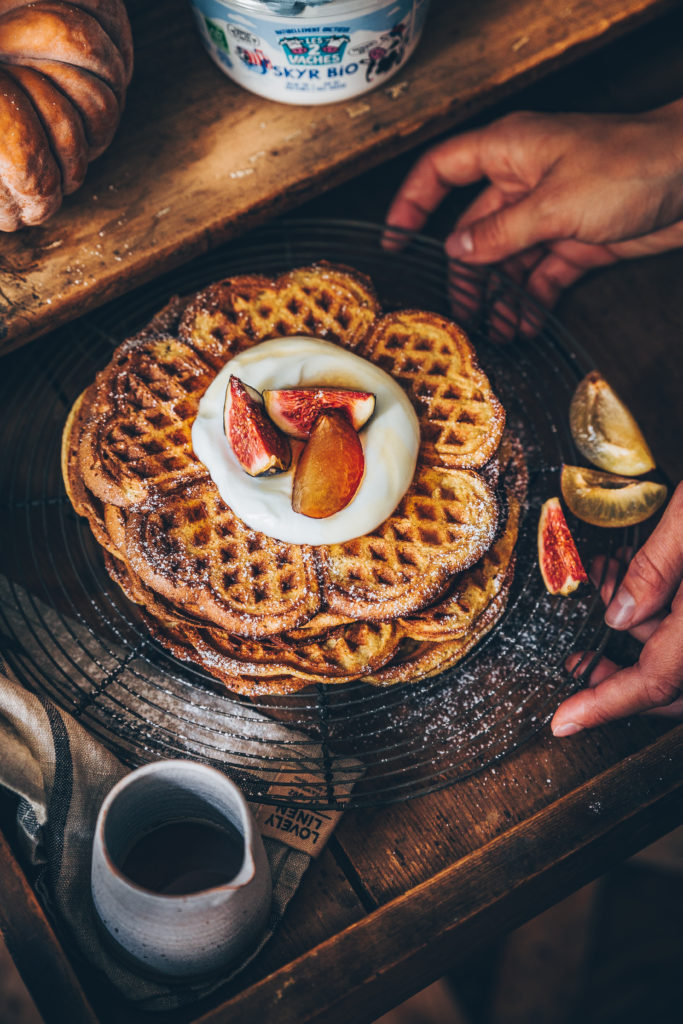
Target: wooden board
[197,160]
[36,952]
[411,940]
[402,892]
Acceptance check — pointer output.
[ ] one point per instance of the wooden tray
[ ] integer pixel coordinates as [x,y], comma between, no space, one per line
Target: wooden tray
[400,893]
[197,160]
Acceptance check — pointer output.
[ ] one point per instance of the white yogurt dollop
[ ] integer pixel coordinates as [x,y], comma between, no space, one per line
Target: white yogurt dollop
[390,441]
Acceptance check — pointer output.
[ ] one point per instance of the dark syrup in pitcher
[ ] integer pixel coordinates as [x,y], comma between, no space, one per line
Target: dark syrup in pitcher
[183,857]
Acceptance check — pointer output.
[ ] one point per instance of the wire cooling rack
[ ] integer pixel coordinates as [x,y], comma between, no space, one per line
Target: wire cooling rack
[70,634]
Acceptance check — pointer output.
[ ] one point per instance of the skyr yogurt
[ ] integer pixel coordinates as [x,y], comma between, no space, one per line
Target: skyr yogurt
[316,52]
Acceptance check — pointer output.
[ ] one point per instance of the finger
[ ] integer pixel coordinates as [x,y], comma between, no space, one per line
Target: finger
[654,573]
[654,682]
[674,710]
[394,239]
[505,232]
[521,266]
[602,670]
[469,284]
[565,264]
[606,574]
[598,571]
[644,630]
[621,694]
[466,287]
[508,312]
[489,200]
[551,277]
[457,161]
[670,237]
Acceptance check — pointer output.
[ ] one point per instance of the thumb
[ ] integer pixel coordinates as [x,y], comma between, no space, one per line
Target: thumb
[655,572]
[504,232]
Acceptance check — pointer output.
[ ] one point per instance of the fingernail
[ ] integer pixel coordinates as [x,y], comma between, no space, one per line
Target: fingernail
[461,244]
[568,729]
[621,609]
[596,570]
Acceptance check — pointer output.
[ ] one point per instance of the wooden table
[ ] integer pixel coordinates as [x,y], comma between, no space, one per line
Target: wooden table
[197,160]
[400,893]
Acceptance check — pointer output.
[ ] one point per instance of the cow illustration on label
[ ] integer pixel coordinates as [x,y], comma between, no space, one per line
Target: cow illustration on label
[387,53]
[314,50]
[297,47]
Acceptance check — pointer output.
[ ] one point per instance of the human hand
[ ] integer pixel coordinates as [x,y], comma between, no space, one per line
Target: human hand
[649,604]
[566,193]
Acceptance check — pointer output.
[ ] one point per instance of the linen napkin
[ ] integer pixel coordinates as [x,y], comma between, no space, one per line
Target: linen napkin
[62,774]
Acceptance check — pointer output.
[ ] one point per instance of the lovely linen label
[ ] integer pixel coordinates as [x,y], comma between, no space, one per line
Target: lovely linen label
[292,824]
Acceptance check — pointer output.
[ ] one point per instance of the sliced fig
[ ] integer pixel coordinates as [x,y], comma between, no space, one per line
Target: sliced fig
[295,410]
[558,558]
[604,430]
[258,445]
[330,467]
[604,499]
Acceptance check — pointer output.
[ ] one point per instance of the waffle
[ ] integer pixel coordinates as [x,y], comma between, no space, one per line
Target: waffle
[452,617]
[136,443]
[261,615]
[461,420]
[324,301]
[365,647]
[444,523]
[340,651]
[83,502]
[347,654]
[138,415]
[421,660]
[196,553]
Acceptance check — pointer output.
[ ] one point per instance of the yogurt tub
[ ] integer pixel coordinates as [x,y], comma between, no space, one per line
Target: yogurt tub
[316,53]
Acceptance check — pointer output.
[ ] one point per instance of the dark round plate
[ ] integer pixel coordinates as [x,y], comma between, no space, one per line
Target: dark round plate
[69,633]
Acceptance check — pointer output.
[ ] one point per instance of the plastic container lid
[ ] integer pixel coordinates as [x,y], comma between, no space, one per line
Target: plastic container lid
[292,8]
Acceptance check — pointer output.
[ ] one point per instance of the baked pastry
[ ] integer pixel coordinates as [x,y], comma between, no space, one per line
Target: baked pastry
[64,71]
[267,616]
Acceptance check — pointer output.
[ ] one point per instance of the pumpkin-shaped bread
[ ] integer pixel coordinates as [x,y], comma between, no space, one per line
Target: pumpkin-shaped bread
[64,70]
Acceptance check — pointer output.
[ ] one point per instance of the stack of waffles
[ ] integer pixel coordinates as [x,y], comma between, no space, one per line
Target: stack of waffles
[263,616]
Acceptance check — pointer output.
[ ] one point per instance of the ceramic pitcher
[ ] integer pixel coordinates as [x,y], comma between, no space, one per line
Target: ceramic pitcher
[178,936]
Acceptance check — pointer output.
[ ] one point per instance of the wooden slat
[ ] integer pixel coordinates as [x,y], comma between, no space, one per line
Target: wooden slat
[38,956]
[197,160]
[408,843]
[324,905]
[411,941]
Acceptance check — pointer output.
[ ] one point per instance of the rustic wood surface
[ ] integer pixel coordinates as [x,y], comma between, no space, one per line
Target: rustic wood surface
[197,160]
[414,937]
[402,891]
[38,955]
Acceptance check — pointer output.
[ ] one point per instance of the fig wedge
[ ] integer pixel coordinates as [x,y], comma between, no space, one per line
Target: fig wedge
[559,561]
[330,467]
[604,499]
[604,430]
[295,410]
[259,447]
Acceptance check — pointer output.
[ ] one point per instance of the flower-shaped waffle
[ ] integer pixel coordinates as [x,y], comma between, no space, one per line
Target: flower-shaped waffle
[247,606]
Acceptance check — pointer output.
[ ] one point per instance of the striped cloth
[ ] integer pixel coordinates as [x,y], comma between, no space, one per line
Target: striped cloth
[61,776]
